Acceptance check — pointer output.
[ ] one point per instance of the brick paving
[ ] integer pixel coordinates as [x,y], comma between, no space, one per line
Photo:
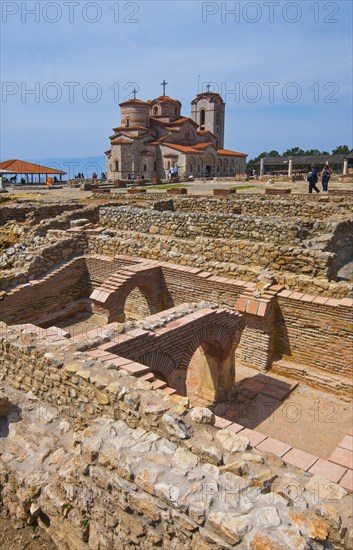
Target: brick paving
[328,470]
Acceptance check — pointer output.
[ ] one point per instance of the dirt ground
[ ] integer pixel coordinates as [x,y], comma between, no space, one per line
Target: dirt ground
[15,535]
[199,187]
[308,419]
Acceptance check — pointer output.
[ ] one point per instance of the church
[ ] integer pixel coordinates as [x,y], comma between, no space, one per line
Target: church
[154,137]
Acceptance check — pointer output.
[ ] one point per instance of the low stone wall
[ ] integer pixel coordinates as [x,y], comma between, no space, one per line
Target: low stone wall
[47,257]
[188,225]
[302,206]
[120,465]
[341,243]
[34,213]
[228,254]
[62,221]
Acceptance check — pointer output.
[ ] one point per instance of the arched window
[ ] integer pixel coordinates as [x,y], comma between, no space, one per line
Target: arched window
[187,135]
[202,118]
[116,169]
[199,168]
[155,111]
[191,166]
[127,122]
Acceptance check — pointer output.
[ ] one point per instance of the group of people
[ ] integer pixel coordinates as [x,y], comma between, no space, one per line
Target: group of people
[173,172]
[313,178]
[80,176]
[132,177]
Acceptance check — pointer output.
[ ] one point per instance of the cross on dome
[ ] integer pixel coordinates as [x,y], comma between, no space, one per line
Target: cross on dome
[164,84]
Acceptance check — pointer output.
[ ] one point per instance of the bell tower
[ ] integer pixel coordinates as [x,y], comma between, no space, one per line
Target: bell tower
[208,110]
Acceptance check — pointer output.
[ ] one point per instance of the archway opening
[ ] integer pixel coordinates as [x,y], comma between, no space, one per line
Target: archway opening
[202,119]
[142,302]
[204,374]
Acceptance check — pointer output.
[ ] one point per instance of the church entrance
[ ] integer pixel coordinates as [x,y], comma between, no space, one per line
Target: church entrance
[209,167]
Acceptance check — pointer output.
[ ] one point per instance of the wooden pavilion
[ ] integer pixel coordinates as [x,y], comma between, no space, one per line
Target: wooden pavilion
[17,167]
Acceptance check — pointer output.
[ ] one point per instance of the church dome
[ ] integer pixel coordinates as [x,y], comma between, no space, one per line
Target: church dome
[165,105]
[135,112]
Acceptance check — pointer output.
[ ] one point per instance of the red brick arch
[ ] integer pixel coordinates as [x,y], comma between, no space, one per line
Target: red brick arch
[149,287]
[218,343]
[161,362]
[217,338]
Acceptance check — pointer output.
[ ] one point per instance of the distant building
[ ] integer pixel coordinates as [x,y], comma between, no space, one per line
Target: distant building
[338,162]
[154,137]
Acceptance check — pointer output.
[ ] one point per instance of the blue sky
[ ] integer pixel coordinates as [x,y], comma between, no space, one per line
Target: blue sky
[302,51]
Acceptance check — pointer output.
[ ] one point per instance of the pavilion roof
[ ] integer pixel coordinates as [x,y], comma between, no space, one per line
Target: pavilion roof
[15,166]
[307,159]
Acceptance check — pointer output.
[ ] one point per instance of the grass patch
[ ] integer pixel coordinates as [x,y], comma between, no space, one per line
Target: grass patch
[166,186]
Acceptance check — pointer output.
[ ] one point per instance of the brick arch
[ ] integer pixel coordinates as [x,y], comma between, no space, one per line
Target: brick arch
[162,363]
[148,285]
[216,346]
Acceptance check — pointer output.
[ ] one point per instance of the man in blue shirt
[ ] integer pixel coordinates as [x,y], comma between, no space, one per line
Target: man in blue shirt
[312,180]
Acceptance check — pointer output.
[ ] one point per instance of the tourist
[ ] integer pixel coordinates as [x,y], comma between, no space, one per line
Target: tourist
[325,177]
[94,176]
[312,180]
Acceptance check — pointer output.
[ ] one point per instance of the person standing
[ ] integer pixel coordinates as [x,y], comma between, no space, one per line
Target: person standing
[312,180]
[325,177]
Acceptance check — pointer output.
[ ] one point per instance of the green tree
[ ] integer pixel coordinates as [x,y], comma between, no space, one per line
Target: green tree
[313,152]
[341,149]
[294,152]
[251,164]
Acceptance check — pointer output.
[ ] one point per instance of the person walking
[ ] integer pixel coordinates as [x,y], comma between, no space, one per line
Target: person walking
[312,180]
[325,177]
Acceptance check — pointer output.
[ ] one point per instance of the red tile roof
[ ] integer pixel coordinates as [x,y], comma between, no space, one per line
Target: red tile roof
[16,166]
[165,98]
[120,140]
[230,153]
[128,128]
[133,102]
[182,148]
[202,145]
